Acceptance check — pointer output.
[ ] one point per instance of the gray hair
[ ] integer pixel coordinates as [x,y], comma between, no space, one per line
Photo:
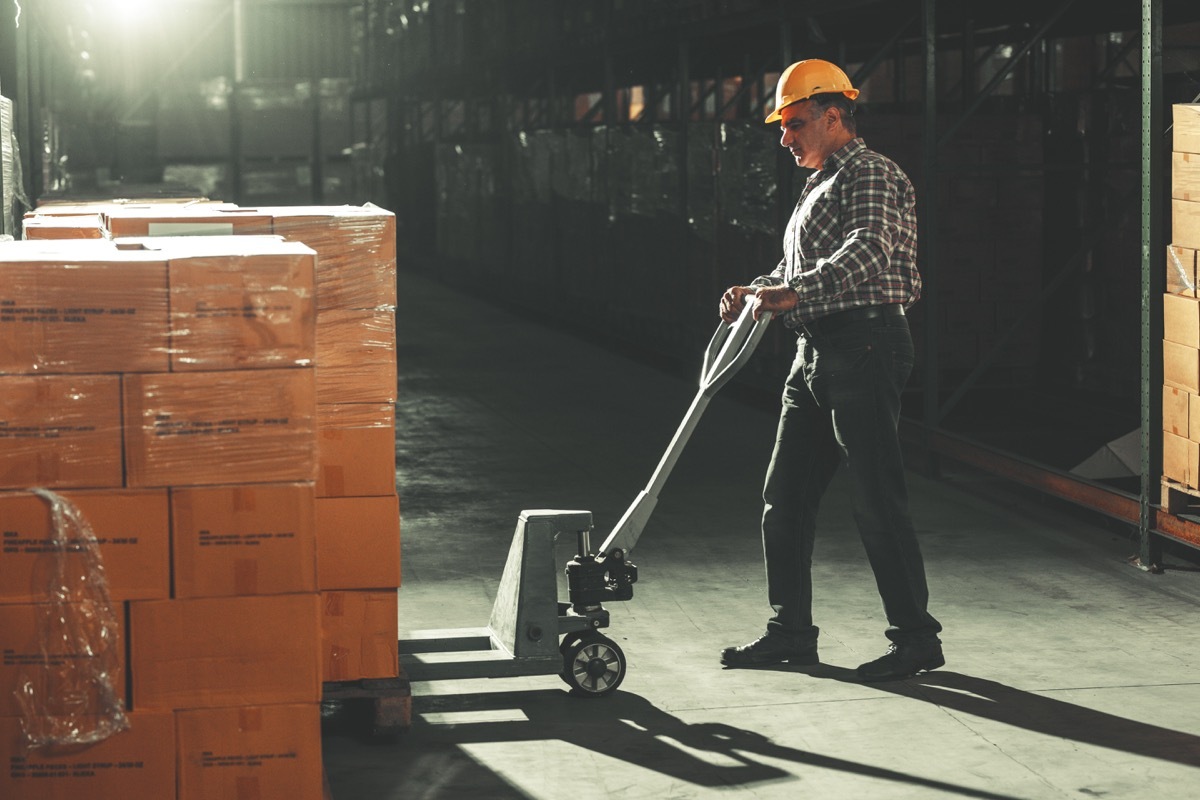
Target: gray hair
[839,101]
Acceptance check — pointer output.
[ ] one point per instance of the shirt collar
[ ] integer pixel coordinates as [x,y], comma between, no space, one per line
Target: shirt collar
[840,157]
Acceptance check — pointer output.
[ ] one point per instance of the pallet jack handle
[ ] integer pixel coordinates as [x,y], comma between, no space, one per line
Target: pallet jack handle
[728,351]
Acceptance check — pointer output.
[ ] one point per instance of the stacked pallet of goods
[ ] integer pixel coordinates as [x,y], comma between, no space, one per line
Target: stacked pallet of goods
[358,534]
[167,391]
[1181,317]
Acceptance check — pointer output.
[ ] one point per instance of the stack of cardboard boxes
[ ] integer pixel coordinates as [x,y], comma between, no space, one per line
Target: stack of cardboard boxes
[167,387]
[1181,308]
[357,508]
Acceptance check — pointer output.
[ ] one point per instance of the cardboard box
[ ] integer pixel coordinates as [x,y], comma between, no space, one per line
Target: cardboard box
[356,247]
[159,219]
[225,651]
[1181,270]
[60,431]
[1176,411]
[359,631]
[214,428]
[81,307]
[1181,367]
[74,208]
[1185,176]
[358,542]
[244,540]
[1181,320]
[1181,460]
[135,764]
[356,450]
[131,527]
[1193,429]
[237,302]
[1185,224]
[1175,458]
[83,226]
[1186,127]
[356,356]
[62,669]
[250,752]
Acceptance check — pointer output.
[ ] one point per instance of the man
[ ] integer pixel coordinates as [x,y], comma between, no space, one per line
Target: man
[847,274]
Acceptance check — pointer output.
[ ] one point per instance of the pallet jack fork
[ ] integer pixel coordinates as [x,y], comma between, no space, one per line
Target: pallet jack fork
[530,631]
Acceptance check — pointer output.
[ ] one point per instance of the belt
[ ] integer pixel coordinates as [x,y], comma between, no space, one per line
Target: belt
[843,319]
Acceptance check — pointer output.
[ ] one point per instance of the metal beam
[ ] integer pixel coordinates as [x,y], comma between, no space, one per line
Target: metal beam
[707,88]
[34,145]
[1106,500]
[1153,163]
[969,75]
[682,262]
[872,63]
[927,219]
[1116,60]
[987,90]
[592,111]
[743,91]
[609,99]
[975,66]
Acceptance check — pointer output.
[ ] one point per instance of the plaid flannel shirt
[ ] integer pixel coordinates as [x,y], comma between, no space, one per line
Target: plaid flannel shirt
[852,238]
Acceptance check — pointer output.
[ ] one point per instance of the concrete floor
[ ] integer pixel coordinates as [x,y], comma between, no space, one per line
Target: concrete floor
[1069,673]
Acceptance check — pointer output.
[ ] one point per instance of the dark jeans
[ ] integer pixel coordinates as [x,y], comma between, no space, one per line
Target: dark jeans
[842,401]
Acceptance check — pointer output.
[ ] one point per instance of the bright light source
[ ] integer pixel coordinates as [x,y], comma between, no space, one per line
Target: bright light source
[133,12]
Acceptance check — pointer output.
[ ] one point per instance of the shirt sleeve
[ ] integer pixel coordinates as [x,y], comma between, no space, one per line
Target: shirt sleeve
[773,278]
[870,223]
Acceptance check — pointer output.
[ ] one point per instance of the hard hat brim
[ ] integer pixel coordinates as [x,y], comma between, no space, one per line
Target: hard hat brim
[777,114]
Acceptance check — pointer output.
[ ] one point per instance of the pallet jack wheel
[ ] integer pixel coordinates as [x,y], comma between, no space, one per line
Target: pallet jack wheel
[593,665]
[568,640]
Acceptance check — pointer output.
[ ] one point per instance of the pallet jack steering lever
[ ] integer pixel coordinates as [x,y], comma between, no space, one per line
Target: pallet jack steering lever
[728,351]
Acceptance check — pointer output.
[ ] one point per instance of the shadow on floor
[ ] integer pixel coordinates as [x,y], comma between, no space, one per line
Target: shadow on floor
[1033,712]
[627,727]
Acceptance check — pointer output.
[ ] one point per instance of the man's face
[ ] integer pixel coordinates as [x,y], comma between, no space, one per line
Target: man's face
[806,133]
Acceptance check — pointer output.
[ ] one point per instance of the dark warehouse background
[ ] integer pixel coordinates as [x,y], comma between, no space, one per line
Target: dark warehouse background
[603,164]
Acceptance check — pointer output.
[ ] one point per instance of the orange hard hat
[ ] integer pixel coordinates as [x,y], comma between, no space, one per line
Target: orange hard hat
[803,79]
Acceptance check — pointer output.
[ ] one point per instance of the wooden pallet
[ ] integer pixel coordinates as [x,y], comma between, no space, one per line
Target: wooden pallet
[1179,499]
[388,701]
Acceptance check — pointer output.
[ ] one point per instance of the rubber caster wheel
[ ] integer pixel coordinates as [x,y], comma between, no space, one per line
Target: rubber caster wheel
[568,641]
[593,665]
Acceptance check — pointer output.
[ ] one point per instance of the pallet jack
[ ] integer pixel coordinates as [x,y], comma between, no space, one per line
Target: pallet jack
[523,634]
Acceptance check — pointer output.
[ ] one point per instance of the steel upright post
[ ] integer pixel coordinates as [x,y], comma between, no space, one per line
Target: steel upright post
[927,215]
[1152,280]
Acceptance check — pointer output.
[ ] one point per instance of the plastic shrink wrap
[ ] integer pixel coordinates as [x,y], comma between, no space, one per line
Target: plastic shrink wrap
[68,649]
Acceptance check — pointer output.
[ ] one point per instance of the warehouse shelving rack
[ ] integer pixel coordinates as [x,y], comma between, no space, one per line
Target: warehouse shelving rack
[439,80]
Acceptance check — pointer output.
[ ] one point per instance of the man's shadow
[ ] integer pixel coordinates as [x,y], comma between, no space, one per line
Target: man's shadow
[1033,712]
[628,727]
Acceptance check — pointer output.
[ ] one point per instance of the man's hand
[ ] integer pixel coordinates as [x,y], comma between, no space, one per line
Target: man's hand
[776,299]
[734,300]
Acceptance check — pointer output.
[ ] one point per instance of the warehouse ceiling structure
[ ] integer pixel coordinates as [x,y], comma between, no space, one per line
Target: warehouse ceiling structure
[597,145]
